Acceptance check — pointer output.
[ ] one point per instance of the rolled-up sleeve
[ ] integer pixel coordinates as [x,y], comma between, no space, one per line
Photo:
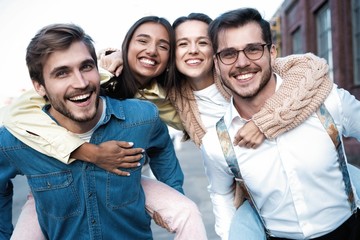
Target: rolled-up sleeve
[28,123]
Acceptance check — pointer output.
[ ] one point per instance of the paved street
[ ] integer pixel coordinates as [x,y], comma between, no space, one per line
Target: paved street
[195,188]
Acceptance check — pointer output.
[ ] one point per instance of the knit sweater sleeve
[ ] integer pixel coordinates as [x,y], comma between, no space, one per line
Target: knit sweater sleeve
[305,86]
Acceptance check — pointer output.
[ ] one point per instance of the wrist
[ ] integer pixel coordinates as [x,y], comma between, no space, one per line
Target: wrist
[87,152]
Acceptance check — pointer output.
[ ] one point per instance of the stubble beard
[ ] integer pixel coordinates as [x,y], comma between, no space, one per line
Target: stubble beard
[66,112]
[251,93]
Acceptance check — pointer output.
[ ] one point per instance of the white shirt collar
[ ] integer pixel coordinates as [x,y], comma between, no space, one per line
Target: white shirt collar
[232,113]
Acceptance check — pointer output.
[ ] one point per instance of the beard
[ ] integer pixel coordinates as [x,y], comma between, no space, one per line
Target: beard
[248,91]
[255,91]
[82,116]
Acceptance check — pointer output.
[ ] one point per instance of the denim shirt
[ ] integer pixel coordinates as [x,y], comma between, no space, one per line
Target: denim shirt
[81,200]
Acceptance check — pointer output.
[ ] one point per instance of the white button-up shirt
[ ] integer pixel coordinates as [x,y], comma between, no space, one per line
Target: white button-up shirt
[294,179]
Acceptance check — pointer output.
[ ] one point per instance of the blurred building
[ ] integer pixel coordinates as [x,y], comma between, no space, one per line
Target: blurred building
[330,29]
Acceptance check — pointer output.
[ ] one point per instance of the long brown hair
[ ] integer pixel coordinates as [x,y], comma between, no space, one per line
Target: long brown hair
[178,79]
[126,85]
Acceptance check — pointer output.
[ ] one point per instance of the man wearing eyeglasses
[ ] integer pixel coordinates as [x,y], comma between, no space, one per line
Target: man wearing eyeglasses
[298,182]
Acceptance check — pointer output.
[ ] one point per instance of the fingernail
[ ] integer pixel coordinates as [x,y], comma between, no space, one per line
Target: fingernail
[131,143]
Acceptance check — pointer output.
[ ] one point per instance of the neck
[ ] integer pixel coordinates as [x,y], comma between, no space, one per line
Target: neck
[201,82]
[78,127]
[145,83]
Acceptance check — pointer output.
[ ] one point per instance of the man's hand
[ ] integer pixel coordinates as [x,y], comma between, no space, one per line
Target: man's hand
[111,60]
[238,195]
[159,221]
[110,155]
[249,136]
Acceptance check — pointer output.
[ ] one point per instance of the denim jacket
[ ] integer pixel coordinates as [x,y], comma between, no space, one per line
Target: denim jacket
[82,201]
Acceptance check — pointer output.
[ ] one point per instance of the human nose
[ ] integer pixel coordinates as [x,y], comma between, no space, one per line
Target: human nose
[242,59]
[151,49]
[193,48]
[79,80]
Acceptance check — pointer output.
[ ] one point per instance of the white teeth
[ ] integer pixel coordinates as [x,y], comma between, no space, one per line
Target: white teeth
[244,76]
[193,61]
[147,61]
[80,97]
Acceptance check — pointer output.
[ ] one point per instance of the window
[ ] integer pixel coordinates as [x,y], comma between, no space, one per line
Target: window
[324,42]
[296,42]
[356,39]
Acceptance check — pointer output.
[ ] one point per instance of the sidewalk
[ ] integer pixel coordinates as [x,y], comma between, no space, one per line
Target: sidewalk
[195,187]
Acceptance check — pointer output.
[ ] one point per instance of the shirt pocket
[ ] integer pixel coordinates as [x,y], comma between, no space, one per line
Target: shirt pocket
[123,190]
[55,194]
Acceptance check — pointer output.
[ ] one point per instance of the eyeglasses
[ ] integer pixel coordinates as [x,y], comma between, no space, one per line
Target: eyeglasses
[251,51]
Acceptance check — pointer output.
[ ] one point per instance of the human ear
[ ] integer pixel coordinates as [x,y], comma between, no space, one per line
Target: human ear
[39,88]
[216,65]
[273,53]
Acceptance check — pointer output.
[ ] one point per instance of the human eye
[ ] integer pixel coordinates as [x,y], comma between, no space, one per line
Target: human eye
[182,44]
[228,53]
[61,73]
[204,43]
[87,66]
[142,40]
[164,46]
[253,49]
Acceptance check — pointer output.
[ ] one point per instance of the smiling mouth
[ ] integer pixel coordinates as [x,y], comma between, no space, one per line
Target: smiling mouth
[193,61]
[80,98]
[147,61]
[244,76]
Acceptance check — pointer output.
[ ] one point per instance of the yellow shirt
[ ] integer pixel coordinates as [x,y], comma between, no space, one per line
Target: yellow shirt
[156,94]
[27,122]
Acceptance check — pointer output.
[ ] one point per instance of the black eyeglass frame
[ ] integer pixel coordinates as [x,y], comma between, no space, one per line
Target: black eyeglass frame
[243,50]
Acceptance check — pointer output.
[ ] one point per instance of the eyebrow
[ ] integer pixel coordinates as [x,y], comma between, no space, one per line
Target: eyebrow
[197,39]
[247,45]
[148,36]
[57,69]
[143,35]
[66,68]
[88,61]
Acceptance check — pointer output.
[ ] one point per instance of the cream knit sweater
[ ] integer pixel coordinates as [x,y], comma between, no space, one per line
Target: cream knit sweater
[306,85]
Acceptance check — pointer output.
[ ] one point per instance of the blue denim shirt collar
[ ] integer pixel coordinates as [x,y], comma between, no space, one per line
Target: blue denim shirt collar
[114,107]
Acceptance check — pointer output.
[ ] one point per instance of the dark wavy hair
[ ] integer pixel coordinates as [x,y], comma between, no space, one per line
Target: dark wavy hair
[53,38]
[126,85]
[237,18]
